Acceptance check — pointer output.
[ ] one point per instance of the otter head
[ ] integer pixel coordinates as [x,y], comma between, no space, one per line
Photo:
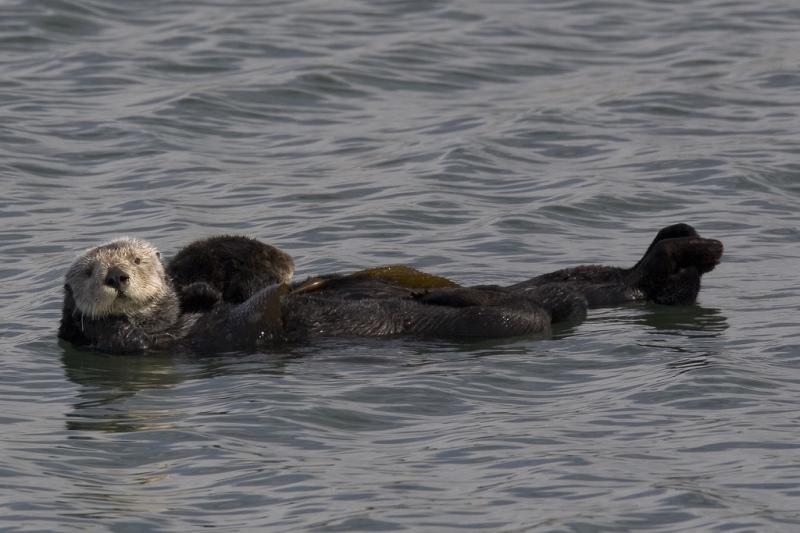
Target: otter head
[123,277]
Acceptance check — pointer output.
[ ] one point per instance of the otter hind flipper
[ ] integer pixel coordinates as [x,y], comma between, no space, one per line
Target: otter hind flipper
[674,231]
[670,272]
[702,254]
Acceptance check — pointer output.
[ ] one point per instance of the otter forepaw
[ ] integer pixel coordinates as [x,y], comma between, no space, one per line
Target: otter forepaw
[199,297]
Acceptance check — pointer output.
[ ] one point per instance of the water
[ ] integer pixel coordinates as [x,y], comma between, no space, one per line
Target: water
[486,141]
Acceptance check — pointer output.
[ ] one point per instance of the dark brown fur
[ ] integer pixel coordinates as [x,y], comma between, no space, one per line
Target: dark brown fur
[246,309]
[228,268]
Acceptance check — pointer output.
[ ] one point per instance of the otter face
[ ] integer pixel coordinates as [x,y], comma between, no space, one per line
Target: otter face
[122,277]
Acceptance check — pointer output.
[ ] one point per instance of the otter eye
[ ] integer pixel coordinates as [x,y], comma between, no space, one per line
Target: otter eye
[137,260]
[88,272]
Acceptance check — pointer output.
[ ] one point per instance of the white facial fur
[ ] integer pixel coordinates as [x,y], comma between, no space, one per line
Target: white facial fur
[139,260]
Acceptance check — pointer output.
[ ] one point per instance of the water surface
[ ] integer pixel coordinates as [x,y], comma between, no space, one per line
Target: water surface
[485,141]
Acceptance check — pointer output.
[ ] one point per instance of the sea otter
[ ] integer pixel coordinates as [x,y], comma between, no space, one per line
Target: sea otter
[119,299]
[228,268]
[668,273]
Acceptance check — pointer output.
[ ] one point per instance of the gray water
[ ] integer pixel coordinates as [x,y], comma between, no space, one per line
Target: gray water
[485,141]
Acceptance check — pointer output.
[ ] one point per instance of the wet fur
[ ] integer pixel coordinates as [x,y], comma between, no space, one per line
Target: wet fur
[668,273]
[228,268]
[142,315]
[243,310]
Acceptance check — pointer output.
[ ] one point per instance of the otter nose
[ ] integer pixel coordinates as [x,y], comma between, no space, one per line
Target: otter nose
[117,278]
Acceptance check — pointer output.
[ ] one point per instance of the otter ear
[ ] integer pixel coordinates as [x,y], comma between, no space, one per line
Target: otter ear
[158,254]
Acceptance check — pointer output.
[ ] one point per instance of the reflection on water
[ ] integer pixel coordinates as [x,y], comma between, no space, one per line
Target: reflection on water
[109,386]
[689,320]
[106,386]
[122,374]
